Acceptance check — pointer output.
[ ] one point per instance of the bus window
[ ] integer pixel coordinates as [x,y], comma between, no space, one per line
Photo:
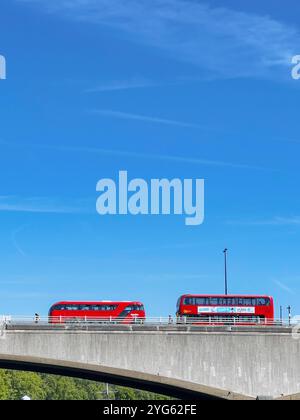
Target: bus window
[84,307]
[263,302]
[134,308]
[189,301]
[247,301]
[201,301]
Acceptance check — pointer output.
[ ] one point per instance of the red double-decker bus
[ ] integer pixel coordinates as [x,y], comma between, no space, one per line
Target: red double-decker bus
[105,311]
[230,309]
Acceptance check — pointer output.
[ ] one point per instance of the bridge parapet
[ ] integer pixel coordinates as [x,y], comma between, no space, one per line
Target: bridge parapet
[178,360]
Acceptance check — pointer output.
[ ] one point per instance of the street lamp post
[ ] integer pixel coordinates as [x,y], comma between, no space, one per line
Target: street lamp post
[105,393]
[225,262]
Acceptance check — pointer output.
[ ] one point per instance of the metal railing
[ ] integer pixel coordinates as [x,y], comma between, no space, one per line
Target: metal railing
[149,321]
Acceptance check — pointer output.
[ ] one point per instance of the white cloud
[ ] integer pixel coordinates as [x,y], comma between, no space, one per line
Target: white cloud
[38,205]
[284,287]
[143,118]
[118,85]
[294,221]
[138,155]
[224,42]
[14,238]
[132,154]
[275,221]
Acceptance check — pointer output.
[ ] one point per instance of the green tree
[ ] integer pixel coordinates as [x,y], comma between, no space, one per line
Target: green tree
[14,385]
[5,388]
[26,383]
[63,388]
[123,393]
[95,391]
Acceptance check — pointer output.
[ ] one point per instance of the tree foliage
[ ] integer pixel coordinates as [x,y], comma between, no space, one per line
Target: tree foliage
[14,385]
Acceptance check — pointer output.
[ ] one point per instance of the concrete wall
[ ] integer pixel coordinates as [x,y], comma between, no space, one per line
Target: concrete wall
[221,364]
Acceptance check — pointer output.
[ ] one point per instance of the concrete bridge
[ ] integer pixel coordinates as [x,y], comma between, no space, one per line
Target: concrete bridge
[181,361]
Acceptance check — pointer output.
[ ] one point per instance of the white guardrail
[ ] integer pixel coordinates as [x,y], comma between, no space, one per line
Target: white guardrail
[209,321]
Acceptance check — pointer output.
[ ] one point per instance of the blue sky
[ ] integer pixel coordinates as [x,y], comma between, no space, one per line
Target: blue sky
[167,88]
